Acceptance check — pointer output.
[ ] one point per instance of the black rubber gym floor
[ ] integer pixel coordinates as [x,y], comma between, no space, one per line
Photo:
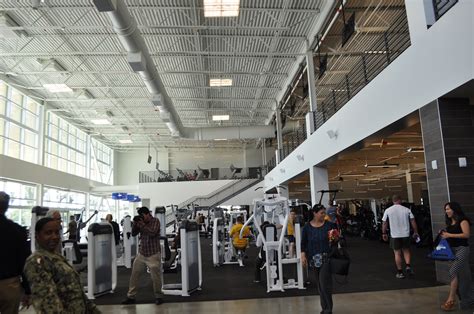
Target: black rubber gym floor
[372,269]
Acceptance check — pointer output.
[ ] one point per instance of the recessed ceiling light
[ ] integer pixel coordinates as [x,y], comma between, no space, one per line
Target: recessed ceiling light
[220,117]
[220,82]
[216,8]
[100,121]
[220,139]
[127,141]
[57,88]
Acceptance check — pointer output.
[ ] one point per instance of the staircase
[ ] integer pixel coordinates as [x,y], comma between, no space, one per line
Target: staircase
[221,195]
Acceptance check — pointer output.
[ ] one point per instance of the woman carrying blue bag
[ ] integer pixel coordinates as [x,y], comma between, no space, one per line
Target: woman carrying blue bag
[457,234]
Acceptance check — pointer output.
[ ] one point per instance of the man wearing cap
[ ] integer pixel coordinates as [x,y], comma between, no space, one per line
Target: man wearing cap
[149,254]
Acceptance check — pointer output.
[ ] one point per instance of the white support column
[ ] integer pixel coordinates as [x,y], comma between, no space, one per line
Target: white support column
[318,178]
[409,186]
[39,194]
[279,137]
[313,105]
[88,156]
[43,125]
[420,14]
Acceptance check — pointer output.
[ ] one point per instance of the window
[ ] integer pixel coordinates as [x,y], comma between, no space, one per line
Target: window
[68,202]
[101,162]
[104,205]
[64,148]
[19,124]
[22,199]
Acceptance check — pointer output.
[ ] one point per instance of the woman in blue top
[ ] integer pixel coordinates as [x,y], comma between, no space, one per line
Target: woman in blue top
[315,248]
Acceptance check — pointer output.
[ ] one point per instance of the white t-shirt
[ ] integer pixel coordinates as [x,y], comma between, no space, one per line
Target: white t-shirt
[399,219]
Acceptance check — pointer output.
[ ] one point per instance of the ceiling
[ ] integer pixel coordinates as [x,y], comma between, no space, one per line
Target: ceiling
[257,50]
[66,41]
[380,168]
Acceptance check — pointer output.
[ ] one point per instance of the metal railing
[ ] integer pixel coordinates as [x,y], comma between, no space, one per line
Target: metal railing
[395,40]
[442,6]
[199,174]
[293,140]
[221,194]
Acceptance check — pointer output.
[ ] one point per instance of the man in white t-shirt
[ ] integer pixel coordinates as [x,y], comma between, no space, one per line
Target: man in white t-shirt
[400,219]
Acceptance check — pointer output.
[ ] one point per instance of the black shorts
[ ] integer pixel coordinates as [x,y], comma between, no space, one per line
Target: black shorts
[400,243]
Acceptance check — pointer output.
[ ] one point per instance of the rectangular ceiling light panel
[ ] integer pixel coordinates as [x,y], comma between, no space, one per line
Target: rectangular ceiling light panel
[220,82]
[221,8]
[220,117]
[128,141]
[57,88]
[100,121]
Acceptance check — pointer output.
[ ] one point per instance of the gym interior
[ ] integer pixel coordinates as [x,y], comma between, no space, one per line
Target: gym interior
[207,112]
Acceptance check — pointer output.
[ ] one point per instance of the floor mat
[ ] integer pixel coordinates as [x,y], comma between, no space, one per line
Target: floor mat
[372,269]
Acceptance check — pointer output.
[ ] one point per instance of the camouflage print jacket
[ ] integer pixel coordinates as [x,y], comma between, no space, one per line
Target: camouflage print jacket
[55,285]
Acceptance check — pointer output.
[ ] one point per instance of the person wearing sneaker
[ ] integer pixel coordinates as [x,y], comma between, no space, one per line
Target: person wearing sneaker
[399,218]
[149,254]
[457,234]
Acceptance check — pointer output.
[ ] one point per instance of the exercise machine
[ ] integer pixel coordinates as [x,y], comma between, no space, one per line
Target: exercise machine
[274,269]
[190,257]
[101,260]
[130,244]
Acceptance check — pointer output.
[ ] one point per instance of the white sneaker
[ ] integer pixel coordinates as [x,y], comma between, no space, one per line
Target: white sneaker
[400,276]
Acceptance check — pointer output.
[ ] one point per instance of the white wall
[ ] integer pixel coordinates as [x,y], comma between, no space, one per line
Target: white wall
[439,61]
[247,197]
[129,164]
[17,169]
[167,193]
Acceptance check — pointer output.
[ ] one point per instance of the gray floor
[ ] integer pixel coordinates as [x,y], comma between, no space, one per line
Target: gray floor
[422,300]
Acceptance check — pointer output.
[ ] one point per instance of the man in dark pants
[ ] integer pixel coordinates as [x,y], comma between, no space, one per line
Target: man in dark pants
[13,242]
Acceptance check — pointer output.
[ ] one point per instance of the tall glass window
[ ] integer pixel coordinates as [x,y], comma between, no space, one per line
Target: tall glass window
[22,200]
[102,158]
[65,146]
[19,124]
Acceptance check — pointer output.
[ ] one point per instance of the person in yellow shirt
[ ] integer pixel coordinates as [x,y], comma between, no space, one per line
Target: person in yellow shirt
[290,232]
[240,243]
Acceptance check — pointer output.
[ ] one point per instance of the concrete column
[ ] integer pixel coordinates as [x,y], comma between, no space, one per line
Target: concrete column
[420,14]
[447,126]
[318,178]
[279,137]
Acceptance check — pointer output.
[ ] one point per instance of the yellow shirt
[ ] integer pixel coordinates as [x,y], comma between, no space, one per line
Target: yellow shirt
[235,234]
[290,230]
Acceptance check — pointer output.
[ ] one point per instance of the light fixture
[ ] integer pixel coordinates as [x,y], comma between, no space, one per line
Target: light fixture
[300,157]
[57,88]
[217,8]
[220,139]
[332,134]
[126,141]
[375,189]
[220,117]
[100,121]
[384,165]
[393,186]
[390,179]
[415,150]
[353,175]
[217,82]
[375,51]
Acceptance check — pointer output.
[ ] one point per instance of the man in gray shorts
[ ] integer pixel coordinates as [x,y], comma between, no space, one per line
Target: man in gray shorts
[399,217]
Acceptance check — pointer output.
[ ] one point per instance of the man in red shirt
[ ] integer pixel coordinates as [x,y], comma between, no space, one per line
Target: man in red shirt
[149,254]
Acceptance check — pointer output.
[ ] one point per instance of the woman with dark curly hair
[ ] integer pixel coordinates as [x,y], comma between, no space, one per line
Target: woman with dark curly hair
[457,234]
